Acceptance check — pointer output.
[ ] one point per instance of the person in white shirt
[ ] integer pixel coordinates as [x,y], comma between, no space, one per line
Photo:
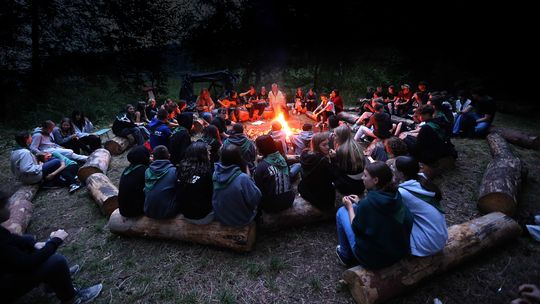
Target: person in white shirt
[277,101]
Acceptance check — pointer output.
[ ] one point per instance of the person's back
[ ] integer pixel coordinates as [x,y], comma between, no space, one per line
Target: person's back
[131,187]
[181,138]
[316,184]
[239,139]
[160,133]
[25,167]
[303,139]
[382,125]
[159,189]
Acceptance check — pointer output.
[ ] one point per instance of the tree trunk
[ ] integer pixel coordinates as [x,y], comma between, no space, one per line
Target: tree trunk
[518,137]
[21,213]
[117,145]
[103,191]
[300,213]
[26,192]
[502,180]
[235,238]
[464,242]
[98,162]
[352,118]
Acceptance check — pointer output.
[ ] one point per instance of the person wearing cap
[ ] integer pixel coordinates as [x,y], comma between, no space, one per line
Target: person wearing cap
[131,187]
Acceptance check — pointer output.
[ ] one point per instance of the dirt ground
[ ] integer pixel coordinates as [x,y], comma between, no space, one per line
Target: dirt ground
[294,265]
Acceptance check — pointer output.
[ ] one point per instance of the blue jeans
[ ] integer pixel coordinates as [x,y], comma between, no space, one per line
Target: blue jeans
[50,166]
[481,128]
[345,234]
[294,170]
[136,133]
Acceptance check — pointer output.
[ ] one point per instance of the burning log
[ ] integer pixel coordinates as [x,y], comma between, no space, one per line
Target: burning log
[235,238]
[97,162]
[117,145]
[464,242]
[103,191]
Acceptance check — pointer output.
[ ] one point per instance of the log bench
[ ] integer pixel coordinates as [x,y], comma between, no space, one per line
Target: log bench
[117,145]
[104,193]
[235,238]
[464,242]
[97,162]
[518,137]
[20,206]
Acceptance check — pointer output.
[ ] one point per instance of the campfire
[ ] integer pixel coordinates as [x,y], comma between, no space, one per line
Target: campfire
[254,131]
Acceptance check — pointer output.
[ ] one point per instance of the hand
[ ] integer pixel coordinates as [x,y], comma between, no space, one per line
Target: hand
[355,198]
[60,233]
[39,245]
[332,153]
[347,202]
[530,291]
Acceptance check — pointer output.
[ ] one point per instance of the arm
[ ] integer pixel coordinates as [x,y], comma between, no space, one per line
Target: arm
[36,142]
[252,195]
[57,171]
[17,260]
[487,117]
[27,164]
[59,139]
[347,202]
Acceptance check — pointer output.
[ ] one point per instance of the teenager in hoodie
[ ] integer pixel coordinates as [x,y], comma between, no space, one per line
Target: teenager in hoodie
[66,136]
[194,186]
[159,186]
[181,138]
[431,142]
[124,125]
[316,185]
[278,134]
[43,141]
[422,197]
[84,129]
[272,177]
[374,232]
[131,188]
[25,165]
[238,138]
[236,198]
[67,174]
[303,139]
[160,134]
[348,164]
[210,136]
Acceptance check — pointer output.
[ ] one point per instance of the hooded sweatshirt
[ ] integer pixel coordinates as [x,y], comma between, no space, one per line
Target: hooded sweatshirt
[280,136]
[236,197]
[42,142]
[301,141]
[382,226]
[131,188]
[122,121]
[316,185]
[429,231]
[272,178]
[160,133]
[160,180]
[181,138]
[25,166]
[249,153]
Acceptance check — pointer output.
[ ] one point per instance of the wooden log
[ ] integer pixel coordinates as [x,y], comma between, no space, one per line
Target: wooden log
[464,242]
[97,162]
[518,137]
[26,192]
[103,192]
[310,115]
[300,213]
[117,145]
[348,117]
[236,238]
[502,179]
[21,214]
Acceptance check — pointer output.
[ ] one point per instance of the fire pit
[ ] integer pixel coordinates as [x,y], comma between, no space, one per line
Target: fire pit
[291,126]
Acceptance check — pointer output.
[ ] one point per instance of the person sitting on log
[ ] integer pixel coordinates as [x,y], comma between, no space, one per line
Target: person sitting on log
[302,140]
[369,110]
[422,93]
[236,198]
[159,186]
[151,109]
[431,142]
[279,135]
[272,177]
[253,103]
[299,102]
[391,97]
[43,141]
[26,167]
[311,100]
[181,138]
[403,103]
[140,113]
[210,136]
[422,197]
[325,109]
[205,104]
[238,138]
[194,186]
[476,122]
[66,137]
[84,129]
[124,125]
[374,232]
[278,101]
[316,185]
[463,102]
[442,115]
[348,164]
[67,172]
[379,126]
[394,147]
[263,94]
[131,187]
[25,264]
[337,101]
[160,133]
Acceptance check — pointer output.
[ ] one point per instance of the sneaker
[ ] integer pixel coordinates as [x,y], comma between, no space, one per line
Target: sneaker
[342,260]
[88,294]
[73,188]
[73,270]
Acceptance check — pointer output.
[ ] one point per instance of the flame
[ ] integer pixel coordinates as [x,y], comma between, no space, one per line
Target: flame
[281,119]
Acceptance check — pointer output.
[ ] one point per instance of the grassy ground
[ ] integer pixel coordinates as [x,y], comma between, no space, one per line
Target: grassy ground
[294,265]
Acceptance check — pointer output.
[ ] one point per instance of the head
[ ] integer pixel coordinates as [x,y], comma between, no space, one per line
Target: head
[379,108]
[65,124]
[405,88]
[307,127]
[422,85]
[233,94]
[426,112]
[391,89]
[77,116]
[379,89]
[211,131]
[162,115]
[265,145]
[238,128]
[205,93]
[232,155]
[407,168]
[343,133]
[23,139]
[152,102]
[299,90]
[276,125]
[130,109]
[186,120]
[324,97]
[161,153]
[5,213]
[275,88]
[394,146]
[47,127]
[252,90]
[333,122]
[263,90]
[43,156]
[378,176]
[311,91]
[319,143]
[197,152]
[334,93]
[139,155]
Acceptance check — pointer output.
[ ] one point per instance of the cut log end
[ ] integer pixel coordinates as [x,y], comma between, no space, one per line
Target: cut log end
[501,202]
[117,145]
[105,194]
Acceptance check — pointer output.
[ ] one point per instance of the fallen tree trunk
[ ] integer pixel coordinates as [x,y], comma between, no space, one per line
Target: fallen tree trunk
[20,207]
[26,192]
[216,234]
[103,192]
[98,162]
[518,137]
[117,145]
[300,213]
[348,117]
[464,242]
[502,180]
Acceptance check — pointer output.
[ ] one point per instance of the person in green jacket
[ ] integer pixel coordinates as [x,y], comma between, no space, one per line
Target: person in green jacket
[374,232]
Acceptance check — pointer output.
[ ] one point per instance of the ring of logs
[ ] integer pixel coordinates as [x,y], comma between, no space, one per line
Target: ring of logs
[103,192]
[97,162]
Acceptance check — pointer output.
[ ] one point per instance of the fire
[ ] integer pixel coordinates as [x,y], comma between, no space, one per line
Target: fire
[285,125]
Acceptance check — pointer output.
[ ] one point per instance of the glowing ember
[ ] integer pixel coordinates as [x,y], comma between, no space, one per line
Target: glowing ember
[285,125]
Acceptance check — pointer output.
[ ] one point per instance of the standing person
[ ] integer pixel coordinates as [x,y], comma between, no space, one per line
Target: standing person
[131,187]
[210,136]
[124,125]
[194,186]
[236,198]
[336,99]
[238,138]
[374,232]
[278,101]
[272,177]
[348,163]
[25,264]
[25,166]
[181,137]
[311,100]
[84,129]
[43,141]
[160,133]
[159,186]
[422,198]
[316,185]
